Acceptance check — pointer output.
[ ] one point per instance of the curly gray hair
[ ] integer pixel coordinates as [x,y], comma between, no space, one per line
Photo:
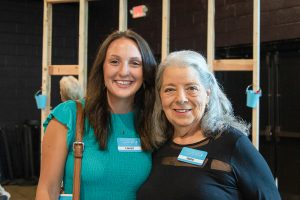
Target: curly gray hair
[218,114]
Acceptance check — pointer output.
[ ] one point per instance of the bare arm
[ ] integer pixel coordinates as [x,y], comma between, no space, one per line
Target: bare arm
[54,153]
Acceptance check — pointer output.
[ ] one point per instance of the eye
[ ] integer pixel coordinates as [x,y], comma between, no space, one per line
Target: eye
[135,63]
[114,62]
[169,90]
[192,89]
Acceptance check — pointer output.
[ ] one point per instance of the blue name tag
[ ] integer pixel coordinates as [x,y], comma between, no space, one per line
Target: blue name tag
[129,145]
[192,156]
[65,197]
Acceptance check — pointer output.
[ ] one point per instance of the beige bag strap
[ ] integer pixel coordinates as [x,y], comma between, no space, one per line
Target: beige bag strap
[78,147]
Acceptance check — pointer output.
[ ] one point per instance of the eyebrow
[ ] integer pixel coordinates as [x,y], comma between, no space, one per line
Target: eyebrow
[114,56]
[169,84]
[137,58]
[172,84]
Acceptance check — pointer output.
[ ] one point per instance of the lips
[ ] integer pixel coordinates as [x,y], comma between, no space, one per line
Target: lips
[123,83]
[182,110]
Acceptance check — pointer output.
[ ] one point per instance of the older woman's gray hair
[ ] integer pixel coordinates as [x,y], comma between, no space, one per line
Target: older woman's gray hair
[70,88]
[218,114]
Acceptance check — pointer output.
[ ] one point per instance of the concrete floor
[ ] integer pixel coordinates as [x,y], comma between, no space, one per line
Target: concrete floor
[21,192]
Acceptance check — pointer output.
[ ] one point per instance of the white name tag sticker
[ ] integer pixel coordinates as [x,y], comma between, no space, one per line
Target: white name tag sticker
[192,156]
[65,197]
[129,145]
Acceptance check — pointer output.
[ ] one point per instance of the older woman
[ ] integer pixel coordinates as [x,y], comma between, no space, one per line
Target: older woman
[70,88]
[207,154]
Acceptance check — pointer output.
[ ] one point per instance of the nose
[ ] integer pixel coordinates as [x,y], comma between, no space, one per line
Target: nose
[124,69]
[181,97]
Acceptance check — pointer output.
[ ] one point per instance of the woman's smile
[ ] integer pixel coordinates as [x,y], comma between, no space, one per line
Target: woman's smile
[183,97]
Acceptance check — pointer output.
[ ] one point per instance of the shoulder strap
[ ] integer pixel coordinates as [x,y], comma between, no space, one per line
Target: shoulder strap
[78,147]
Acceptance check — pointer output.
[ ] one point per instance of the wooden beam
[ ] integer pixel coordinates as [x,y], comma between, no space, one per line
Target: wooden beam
[165,29]
[210,33]
[46,61]
[123,15]
[256,70]
[62,1]
[63,70]
[83,43]
[233,65]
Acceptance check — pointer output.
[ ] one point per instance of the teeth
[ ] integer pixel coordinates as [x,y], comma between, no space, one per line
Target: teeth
[182,110]
[123,82]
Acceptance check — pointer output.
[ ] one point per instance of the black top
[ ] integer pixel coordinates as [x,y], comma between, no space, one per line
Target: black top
[233,169]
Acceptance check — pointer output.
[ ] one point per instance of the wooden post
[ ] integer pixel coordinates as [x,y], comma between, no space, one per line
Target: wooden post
[211,33]
[165,29]
[122,15]
[83,40]
[256,70]
[233,65]
[46,60]
[61,1]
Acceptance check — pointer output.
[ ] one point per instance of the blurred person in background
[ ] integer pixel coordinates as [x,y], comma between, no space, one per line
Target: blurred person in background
[70,88]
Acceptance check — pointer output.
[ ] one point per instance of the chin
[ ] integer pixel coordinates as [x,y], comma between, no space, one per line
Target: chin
[181,125]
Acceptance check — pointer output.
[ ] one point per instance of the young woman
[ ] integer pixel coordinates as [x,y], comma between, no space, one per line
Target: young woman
[118,108]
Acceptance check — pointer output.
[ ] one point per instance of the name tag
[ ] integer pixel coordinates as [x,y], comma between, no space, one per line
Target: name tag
[129,145]
[65,197]
[192,156]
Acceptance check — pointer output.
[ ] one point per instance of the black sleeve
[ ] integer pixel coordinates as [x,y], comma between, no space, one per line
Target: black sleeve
[254,177]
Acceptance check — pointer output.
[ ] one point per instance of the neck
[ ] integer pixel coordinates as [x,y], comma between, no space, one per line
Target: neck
[187,135]
[120,106]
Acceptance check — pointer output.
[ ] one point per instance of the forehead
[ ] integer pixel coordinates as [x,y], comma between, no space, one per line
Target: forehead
[124,47]
[180,75]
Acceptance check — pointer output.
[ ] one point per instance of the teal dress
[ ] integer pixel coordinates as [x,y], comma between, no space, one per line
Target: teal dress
[106,174]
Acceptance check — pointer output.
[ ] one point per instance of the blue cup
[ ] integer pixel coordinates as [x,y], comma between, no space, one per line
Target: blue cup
[40,99]
[252,97]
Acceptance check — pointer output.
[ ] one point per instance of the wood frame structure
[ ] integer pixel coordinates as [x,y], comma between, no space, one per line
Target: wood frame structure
[238,64]
[215,65]
[48,69]
[165,40]
[123,18]
[123,15]
[225,64]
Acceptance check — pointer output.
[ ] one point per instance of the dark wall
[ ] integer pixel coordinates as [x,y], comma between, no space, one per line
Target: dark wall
[233,22]
[149,27]
[234,19]
[20,59]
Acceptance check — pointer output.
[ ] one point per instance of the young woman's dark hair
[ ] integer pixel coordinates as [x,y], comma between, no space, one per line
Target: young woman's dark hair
[97,109]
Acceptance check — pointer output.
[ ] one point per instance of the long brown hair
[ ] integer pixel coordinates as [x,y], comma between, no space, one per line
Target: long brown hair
[97,108]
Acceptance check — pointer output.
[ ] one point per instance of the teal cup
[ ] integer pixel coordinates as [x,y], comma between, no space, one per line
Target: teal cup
[252,97]
[40,99]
